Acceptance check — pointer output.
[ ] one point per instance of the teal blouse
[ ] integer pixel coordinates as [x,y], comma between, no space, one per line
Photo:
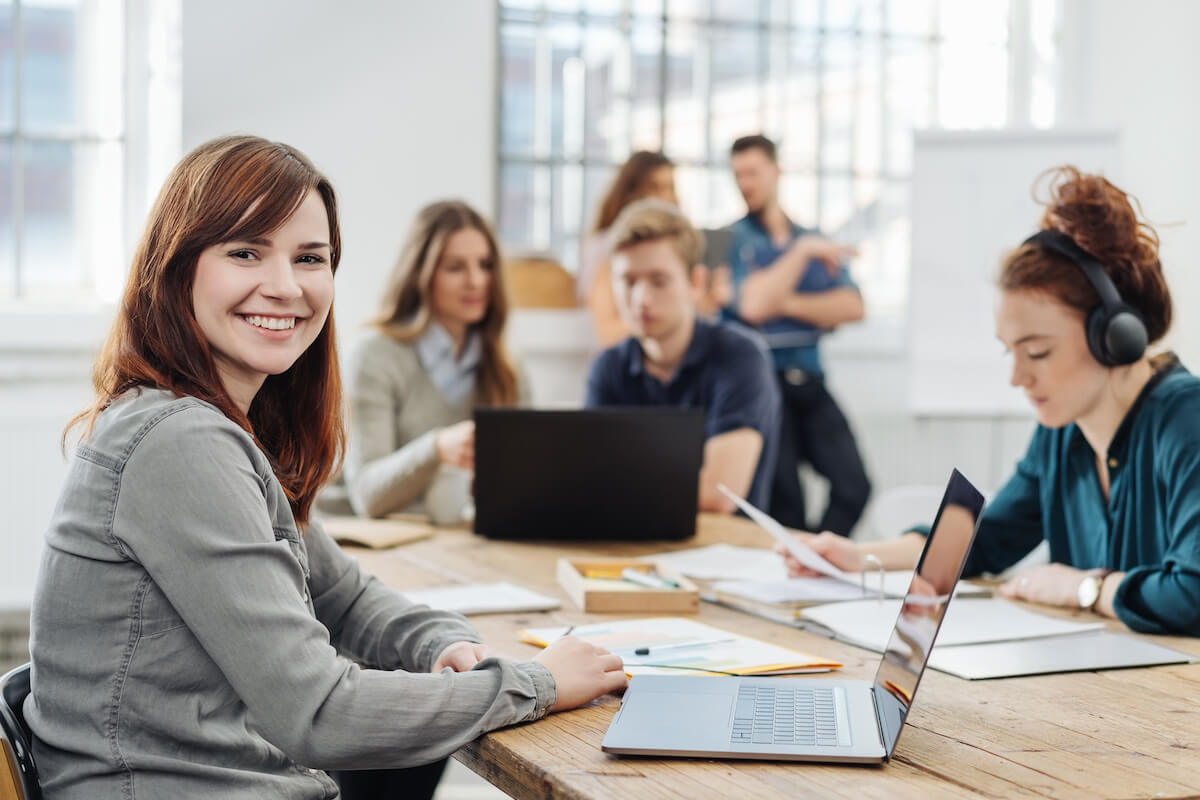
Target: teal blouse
[1150,526]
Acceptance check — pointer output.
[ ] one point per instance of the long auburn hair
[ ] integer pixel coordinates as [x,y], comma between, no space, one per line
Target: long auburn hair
[407,307]
[232,188]
[628,186]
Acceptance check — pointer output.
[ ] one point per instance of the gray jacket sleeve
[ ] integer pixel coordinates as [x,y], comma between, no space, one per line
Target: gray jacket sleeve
[524,385]
[195,510]
[381,478]
[368,621]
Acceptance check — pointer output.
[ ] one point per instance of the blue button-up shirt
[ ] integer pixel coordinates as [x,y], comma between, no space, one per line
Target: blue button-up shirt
[725,371]
[793,344]
[1149,528]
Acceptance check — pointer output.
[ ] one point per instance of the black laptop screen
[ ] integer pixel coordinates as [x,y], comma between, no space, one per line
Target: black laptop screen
[925,605]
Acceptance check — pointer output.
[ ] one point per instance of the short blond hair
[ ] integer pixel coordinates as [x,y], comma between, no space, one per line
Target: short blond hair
[651,219]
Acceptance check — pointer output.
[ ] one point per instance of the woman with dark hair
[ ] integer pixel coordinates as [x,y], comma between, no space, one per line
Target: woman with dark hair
[1111,478]
[438,352]
[189,613]
[644,174]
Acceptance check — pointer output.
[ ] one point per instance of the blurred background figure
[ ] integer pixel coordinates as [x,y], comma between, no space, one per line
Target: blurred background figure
[644,174]
[437,352]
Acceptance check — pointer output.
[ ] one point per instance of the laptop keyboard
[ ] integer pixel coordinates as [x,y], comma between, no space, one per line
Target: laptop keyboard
[778,715]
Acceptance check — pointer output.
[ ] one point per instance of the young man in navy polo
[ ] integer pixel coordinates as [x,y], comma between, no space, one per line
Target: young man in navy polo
[792,285]
[675,358]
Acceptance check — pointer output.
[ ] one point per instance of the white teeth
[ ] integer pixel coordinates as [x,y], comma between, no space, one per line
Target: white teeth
[272,323]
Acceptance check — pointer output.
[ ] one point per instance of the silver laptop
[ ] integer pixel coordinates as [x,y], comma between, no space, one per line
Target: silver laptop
[808,719]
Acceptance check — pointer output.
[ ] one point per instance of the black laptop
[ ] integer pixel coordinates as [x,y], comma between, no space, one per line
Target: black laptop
[605,473]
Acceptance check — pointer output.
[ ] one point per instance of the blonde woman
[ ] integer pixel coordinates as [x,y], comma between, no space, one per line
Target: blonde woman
[437,353]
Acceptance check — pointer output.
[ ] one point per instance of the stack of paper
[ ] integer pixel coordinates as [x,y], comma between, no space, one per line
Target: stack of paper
[797,592]
[668,645]
[724,562]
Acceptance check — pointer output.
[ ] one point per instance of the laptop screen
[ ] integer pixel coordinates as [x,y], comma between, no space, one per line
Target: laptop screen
[925,604]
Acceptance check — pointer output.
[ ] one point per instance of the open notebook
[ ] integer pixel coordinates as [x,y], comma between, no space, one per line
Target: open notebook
[800,592]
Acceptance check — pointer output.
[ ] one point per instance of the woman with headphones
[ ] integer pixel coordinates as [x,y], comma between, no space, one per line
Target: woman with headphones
[1111,478]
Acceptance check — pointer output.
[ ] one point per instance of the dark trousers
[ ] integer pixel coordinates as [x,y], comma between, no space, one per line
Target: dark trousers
[413,783]
[814,429]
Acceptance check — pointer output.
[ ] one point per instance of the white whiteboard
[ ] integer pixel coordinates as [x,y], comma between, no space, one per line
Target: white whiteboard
[972,202]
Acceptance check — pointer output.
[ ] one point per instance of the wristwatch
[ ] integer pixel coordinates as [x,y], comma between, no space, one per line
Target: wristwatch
[1088,593]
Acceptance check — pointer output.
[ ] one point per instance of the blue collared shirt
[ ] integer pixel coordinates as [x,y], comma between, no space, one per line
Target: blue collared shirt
[793,344]
[454,374]
[1149,528]
[725,371]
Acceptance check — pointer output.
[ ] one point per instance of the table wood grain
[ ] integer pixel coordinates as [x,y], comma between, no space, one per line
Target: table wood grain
[1118,734]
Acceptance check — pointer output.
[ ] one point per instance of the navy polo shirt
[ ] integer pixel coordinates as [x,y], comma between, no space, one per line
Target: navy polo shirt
[1148,528]
[793,343]
[725,371]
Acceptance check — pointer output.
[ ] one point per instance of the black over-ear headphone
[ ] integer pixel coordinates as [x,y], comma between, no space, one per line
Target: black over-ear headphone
[1116,334]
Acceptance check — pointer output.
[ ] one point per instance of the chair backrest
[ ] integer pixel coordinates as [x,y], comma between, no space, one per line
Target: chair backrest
[18,774]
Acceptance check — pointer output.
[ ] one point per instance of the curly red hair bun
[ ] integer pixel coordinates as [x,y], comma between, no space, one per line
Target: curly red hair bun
[1104,221]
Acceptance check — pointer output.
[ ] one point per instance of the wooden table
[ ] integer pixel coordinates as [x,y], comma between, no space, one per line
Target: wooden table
[1117,733]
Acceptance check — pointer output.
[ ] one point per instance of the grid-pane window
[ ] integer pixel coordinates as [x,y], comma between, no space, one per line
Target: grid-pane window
[62,145]
[839,84]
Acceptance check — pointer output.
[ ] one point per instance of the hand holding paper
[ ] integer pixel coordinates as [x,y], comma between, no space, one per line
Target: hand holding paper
[801,552]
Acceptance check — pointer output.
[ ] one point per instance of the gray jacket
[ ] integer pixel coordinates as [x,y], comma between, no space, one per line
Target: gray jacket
[184,631]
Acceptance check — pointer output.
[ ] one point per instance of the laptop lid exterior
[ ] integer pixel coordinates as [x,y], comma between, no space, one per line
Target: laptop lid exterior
[606,473]
[925,604]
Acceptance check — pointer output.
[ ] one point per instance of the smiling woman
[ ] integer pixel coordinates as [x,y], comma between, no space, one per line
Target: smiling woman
[190,621]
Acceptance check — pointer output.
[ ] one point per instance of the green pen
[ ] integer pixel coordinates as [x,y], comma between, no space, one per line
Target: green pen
[648,579]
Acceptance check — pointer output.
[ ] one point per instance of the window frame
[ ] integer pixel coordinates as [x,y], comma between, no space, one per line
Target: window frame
[150,142]
[1021,59]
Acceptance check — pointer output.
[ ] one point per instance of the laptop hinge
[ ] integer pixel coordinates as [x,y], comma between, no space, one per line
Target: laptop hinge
[879,725]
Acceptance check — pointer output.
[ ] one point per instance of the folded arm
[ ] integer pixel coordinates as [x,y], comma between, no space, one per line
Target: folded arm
[770,293]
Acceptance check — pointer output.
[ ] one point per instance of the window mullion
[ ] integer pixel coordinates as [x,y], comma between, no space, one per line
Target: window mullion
[18,150]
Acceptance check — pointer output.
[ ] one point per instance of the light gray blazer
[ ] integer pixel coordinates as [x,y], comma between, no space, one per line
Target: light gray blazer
[184,631]
[395,415]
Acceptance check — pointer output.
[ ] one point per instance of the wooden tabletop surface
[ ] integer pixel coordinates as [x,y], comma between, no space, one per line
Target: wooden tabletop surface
[1118,733]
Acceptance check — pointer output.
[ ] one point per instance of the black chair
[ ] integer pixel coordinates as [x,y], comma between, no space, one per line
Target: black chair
[18,774]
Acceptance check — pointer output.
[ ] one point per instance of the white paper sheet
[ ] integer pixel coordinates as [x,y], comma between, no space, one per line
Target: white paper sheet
[483,598]
[969,620]
[800,551]
[724,562]
[797,591]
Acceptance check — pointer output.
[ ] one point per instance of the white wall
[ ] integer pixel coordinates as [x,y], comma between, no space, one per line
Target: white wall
[393,101]
[1131,68]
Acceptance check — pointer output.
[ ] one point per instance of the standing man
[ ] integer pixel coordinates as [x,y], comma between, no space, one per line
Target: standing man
[792,285]
[675,358]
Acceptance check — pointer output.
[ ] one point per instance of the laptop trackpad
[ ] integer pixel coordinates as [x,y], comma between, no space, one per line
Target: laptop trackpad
[673,718]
